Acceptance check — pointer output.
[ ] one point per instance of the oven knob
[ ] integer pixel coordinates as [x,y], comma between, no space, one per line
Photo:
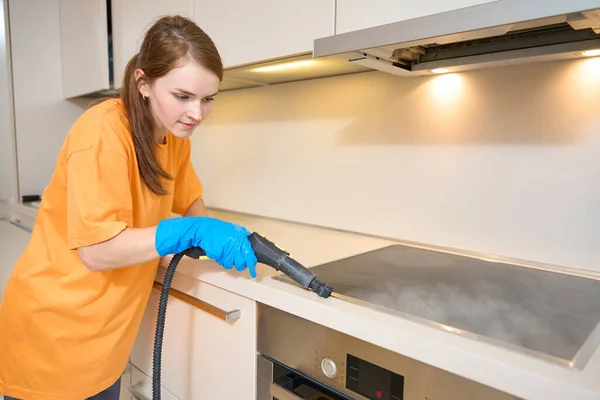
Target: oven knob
[328,367]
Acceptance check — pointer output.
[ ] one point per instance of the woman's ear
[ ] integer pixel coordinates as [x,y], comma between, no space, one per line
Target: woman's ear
[142,84]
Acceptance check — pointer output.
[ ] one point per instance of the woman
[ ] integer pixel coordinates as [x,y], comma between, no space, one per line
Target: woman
[73,304]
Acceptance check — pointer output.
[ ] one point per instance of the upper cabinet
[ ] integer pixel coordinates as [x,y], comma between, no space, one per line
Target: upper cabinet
[130,21]
[246,32]
[352,15]
[84,46]
[92,30]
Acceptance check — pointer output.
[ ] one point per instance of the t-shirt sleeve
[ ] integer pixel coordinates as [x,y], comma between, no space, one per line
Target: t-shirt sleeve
[99,201]
[188,187]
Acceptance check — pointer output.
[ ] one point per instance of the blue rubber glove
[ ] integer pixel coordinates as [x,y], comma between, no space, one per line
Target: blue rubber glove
[226,243]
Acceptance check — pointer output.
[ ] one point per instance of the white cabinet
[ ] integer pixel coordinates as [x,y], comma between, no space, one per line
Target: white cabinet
[203,355]
[85,40]
[130,21]
[352,15]
[8,173]
[42,117]
[140,387]
[84,46]
[246,32]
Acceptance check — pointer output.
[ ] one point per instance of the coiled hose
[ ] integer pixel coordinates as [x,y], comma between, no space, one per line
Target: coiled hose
[266,253]
[160,324]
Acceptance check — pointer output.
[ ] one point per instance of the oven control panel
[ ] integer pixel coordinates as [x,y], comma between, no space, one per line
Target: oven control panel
[373,381]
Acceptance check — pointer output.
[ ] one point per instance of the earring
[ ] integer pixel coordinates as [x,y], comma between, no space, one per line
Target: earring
[144,97]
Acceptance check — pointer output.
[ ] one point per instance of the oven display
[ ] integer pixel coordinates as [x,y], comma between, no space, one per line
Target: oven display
[372,381]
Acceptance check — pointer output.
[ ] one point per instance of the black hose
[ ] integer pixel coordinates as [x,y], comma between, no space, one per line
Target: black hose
[160,324]
[266,252]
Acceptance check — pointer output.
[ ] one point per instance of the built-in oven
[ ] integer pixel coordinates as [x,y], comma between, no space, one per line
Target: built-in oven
[299,359]
[284,383]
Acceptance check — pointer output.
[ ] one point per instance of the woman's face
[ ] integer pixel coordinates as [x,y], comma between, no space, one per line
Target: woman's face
[181,99]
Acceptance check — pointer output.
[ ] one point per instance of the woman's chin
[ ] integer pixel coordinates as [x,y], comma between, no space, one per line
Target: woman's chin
[182,133]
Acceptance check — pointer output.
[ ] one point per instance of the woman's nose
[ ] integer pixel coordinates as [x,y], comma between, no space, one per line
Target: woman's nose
[195,111]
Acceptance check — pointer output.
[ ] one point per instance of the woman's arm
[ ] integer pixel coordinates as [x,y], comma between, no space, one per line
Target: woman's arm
[197,209]
[133,246]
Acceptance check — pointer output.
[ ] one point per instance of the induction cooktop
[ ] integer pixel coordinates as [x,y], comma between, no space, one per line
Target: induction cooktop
[547,314]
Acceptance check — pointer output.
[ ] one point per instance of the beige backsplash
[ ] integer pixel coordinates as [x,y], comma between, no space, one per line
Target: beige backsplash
[503,161]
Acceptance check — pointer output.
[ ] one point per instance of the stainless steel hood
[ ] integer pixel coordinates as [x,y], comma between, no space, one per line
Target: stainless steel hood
[502,32]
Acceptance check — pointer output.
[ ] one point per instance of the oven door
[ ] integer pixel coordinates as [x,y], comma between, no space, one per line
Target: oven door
[277,381]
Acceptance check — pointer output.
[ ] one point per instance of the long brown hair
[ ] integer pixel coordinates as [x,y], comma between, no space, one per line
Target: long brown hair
[169,40]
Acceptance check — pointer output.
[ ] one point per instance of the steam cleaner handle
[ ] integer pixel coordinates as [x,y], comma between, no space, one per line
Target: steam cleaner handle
[268,253]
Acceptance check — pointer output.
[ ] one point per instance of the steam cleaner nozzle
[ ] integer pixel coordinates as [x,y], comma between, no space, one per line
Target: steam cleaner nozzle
[270,254]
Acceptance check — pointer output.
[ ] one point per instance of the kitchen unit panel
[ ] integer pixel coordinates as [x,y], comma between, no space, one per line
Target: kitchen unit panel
[8,178]
[248,32]
[141,387]
[353,15]
[200,349]
[42,116]
[84,46]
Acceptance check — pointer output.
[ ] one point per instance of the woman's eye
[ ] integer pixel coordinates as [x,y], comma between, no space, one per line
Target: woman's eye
[208,99]
[181,97]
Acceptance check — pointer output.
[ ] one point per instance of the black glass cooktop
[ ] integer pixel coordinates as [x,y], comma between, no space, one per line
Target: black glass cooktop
[547,314]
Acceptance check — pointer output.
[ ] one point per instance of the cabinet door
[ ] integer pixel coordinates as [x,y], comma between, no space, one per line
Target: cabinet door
[246,32]
[84,46]
[130,21]
[8,172]
[141,387]
[203,355]
[352,15]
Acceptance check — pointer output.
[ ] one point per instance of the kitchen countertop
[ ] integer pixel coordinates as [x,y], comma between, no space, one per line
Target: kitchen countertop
[508,371]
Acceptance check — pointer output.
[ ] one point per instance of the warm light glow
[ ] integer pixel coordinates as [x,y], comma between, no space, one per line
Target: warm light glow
[588,75]
[589,53]
[445,89]
[450,329]
[285,66]
[440,70]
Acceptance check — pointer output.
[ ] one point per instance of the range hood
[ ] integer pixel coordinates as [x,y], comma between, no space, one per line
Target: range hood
[498,33]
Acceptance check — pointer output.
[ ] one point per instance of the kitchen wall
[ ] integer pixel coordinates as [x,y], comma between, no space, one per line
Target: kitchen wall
[501,161]
[504,161]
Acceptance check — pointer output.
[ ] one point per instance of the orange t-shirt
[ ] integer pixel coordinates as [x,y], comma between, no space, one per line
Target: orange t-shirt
[66,332]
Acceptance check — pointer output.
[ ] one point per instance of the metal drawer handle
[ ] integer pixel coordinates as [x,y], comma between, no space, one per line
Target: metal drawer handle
[209,308]
[282,394]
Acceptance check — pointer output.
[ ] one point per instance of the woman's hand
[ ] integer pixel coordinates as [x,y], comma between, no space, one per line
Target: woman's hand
[224,242]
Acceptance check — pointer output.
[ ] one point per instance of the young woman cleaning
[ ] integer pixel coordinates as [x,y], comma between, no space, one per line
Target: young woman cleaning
[73,303]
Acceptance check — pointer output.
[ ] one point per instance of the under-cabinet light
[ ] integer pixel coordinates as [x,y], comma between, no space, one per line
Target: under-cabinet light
[284,66]
[589,53]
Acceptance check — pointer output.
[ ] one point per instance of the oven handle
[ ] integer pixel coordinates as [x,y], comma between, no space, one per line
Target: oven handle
[282,394]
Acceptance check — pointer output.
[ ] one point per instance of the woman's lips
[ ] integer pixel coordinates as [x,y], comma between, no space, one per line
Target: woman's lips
[187,126]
